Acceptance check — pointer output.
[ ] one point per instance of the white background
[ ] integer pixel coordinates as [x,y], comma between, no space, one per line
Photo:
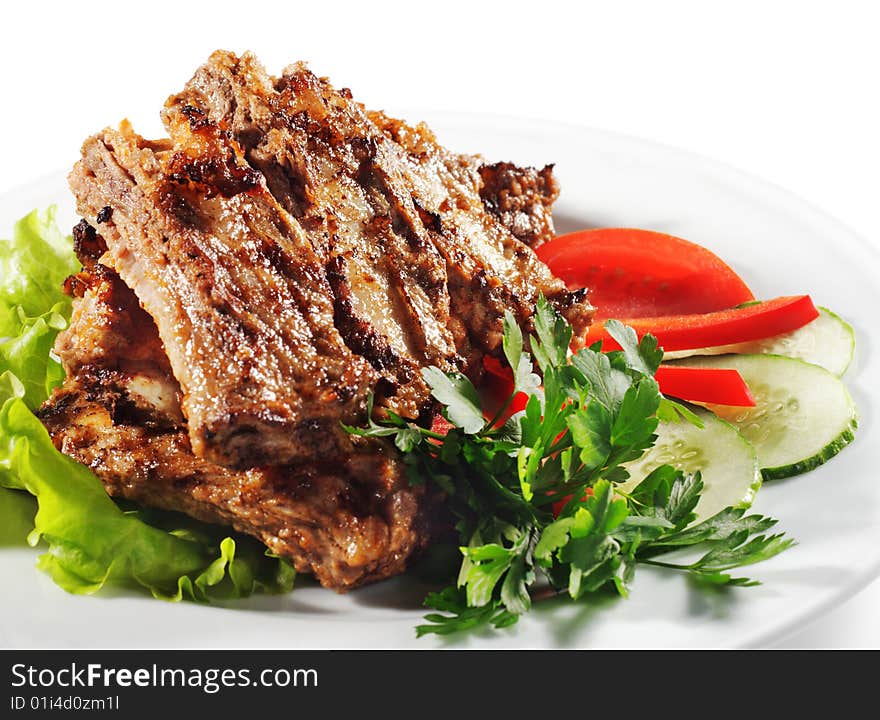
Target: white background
[787,91]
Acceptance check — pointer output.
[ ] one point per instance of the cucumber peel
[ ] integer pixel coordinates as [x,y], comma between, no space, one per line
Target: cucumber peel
[827,341]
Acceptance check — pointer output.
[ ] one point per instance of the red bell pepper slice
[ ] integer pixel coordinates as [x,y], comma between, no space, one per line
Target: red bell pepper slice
[440,425]
[499,382]
[721,386]
[559,504]
[725,327]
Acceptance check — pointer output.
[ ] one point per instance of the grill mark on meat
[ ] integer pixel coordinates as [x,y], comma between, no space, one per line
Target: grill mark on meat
[359,335]
[349,522]
[242,304]
[322,163]
[379,185]
[417,271]
[488,269]
[520,197]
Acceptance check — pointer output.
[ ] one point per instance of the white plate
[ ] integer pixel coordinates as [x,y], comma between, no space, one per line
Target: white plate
[778,243]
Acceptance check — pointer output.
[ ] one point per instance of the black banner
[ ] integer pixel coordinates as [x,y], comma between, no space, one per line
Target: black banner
[252,684]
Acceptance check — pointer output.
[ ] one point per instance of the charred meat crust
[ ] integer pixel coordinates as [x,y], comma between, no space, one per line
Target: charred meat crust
[522,199]
[87,244]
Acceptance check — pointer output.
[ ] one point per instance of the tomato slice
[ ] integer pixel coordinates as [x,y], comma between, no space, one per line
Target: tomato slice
[726,327]
[722,386]
[635,273]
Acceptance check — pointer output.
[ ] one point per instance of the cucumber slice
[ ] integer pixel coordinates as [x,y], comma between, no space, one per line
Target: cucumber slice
[827,341]
[803,416]
[727,462]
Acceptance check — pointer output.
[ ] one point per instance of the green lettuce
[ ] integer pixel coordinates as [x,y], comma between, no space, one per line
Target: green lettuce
[33,307]
[90,539]
[28,356]
[33,266]
[17,510]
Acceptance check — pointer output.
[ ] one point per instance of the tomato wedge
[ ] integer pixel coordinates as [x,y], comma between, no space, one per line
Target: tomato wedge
[726,327]
[635,273]
[721,386]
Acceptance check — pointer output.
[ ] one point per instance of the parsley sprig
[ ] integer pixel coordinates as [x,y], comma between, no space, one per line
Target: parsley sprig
[593,413]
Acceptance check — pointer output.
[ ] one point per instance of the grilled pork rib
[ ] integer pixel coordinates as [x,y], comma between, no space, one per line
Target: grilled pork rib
[282,256]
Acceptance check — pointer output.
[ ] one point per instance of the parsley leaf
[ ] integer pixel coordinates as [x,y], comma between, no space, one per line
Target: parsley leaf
[672,411]
[553,336]
[459,396]
[524,379]
[640,356]
[460,615]
[607,385]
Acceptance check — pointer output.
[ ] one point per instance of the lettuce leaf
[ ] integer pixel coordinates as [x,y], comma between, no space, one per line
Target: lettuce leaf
[90,539]
[33,308]
[17,510]
[33,266]
[28,354]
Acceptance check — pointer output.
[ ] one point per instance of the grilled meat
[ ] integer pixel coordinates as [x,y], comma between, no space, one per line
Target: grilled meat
[118,413]
[317,152]
[489,269]
[522,199]
[257,276]
[363,183]
[241,302]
